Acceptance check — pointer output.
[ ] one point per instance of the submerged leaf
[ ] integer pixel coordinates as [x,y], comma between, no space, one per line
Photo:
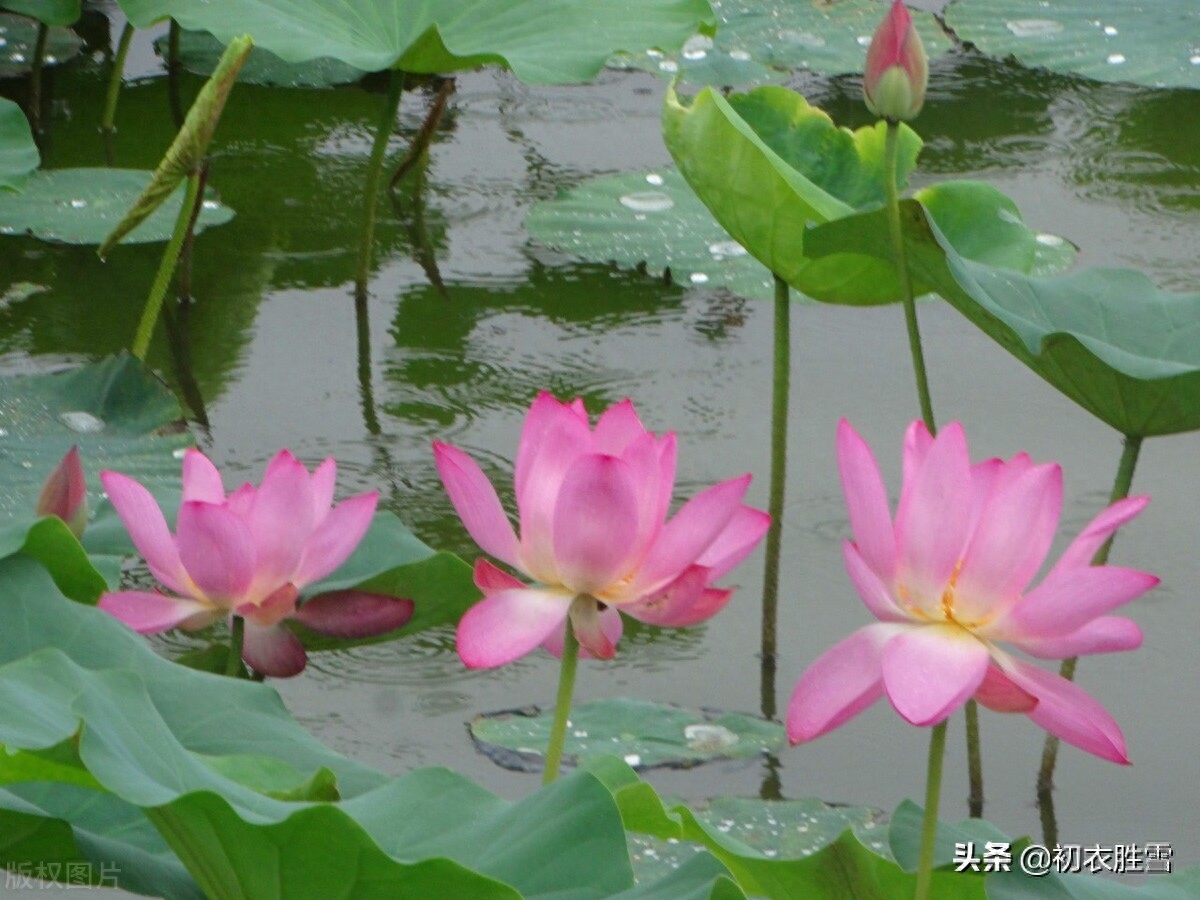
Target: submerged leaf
[18,153]
[20,41]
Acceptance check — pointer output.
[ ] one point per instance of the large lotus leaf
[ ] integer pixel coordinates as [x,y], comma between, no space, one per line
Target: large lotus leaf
[118,413]
[18,153]
[1109,339]
[20,41]
[768,165]
[843,868]
[52,12]
[655,220]
[551,41]
[644,734]
[768,39]
[81,206]
[50,542]
[200,52]
[1156,44]
[208,758]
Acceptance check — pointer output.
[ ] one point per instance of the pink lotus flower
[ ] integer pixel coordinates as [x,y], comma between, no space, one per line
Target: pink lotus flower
[948,580]
[897,68]
[65,493]
[250,554]
[594,536]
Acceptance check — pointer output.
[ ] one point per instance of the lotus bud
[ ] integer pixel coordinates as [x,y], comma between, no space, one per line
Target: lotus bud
[65,493]
[897,68]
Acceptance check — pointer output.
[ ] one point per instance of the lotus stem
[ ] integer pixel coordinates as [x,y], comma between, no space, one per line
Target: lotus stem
[173,69]
[933,789]
[166,268]
[115,78]
[35,77]
[420,143]
[974,761]
[383,131]
[562,703]
[237,637]
[779,412]
[1045,783]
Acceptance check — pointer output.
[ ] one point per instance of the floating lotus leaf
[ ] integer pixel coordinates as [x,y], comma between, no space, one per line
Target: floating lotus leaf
[1109,339]
[51,12]
[81,206]
[767,40]
[20,40]
[18,153]
[551,41]
[1155,44]
[644,734]
[200,52]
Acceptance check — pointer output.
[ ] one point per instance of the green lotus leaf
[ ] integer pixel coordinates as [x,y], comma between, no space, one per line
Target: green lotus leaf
[643,733]
[768,40]
[18,153]
[551,41]
[1112,341]
[51,12]
[81,206]
[200,52]
[20,41]
[1157,46]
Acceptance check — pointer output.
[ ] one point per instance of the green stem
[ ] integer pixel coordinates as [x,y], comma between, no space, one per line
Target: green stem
[420,143]
[562,703]
[974,761]
[1045,783]
[173,70]
[35,77]
[237,637]
[166,268]
[933,790]
[891,151]
[113,94]
[779,411]
[383,131]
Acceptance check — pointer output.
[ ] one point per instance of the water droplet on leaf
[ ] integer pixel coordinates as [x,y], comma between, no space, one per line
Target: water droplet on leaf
[83,422]
[647,201]
[1033,27]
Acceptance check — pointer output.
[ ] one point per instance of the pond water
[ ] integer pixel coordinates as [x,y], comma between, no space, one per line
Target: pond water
[468,319]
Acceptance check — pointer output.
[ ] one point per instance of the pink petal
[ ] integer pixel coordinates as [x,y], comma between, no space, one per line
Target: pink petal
[866,501]
[587,621]
[147,528]
[739,538]
[149,613]
[541,467]
[64,493]
[689,533]
[1000,694]
[217,549]
[354,614]
[201,480]
[490,579]
[1107,634]
[1009,542]
[241,501]
[932,518]
[332,542]
[675,605]
[667,452]
[642,457]
[870,587]
[595,524]
[476,502]
[617,428]
[844,681]
[932,670]
[506,625]
[610,624]
[917,441]
[1067,602]
[273,651]
[1096,532]
[272,609]
[1066,710]
[280,520]
[548,419]
[321,484]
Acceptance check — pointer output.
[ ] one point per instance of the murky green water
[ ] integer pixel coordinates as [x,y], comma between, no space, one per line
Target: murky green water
[279,360]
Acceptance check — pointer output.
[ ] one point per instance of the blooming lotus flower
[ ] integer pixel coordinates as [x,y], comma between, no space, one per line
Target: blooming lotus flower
[897,68]
[594,536]
[65,493]
[249,554]
[949,581]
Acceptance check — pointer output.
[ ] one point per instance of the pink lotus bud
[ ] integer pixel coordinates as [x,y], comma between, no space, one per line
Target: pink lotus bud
[65,493]
[897,69]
